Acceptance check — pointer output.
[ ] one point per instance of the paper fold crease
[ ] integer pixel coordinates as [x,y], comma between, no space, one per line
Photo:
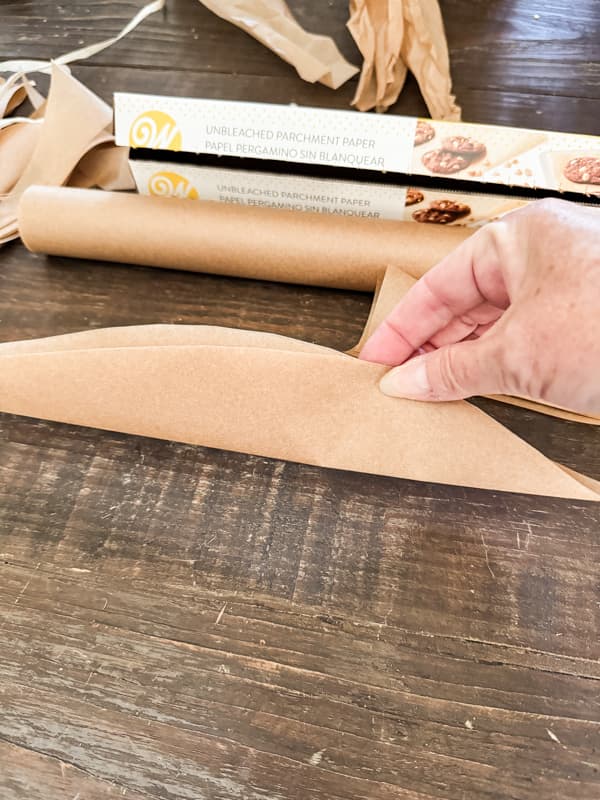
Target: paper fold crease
[267,395]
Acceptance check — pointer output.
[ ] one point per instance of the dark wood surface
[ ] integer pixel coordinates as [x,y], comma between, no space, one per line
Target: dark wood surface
[178,622]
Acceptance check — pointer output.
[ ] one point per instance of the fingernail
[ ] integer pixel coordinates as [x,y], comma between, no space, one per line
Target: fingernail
[410,380]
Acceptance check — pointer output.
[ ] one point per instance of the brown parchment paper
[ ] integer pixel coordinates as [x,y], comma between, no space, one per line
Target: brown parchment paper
[394,35]
[105,165]
[315,57]
[74,117]
[11,96]
[378,29]
[73,123]
[17,144]
[13,91]
[271,396]
[243,241]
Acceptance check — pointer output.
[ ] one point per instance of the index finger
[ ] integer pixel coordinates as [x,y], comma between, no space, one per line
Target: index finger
[464,279]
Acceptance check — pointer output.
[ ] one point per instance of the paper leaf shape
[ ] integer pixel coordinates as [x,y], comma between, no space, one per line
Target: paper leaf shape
[271,396]
[241,241]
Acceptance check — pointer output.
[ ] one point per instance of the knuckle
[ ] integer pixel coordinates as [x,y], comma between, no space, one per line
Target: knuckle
[526,362]
[495,231]
[500,235]
[516,352]
[544,213]
[548,206]
[540,215]
[452,373]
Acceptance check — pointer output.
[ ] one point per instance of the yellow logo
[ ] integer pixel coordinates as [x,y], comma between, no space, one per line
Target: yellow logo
[155,129]
[170,184]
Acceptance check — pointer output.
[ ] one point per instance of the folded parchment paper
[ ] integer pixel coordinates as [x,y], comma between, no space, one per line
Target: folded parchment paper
[394,284]
[72,124]
[315,58]
[272,396]
[243,241]
[12,94]
[394,36]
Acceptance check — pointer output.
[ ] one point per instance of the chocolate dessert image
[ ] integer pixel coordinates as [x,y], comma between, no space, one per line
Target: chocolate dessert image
[584,169]
[413,196]
[456,153]
[444,162]
[442,212]
[424,132]
[464,146]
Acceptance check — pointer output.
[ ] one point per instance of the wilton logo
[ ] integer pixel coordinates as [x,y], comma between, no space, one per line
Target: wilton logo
[170,184]
[155,129]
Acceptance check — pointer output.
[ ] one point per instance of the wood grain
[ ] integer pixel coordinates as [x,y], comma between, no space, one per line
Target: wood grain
[499,53]
[180,623]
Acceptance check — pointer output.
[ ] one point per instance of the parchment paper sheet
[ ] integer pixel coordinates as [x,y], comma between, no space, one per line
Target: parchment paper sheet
[12,94]
[394,284]
[378,29]
[396,35]
[315,58]
[243,241]
[271,396]
[76,123]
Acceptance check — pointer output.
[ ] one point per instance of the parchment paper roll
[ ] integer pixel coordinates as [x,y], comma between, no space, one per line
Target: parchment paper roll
[241,241]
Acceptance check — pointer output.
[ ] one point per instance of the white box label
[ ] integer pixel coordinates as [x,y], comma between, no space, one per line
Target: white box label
[291,192]
[265,131]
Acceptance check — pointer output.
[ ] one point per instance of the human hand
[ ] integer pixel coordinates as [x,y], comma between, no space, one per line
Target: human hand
[514,310]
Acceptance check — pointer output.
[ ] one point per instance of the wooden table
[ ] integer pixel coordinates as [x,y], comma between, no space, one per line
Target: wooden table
[178,622]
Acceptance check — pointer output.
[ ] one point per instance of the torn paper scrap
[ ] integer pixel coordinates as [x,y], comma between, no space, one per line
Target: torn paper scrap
[74,122]
[394,36]
[315,57]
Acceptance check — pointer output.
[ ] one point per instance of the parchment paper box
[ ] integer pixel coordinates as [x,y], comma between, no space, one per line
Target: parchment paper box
[344,162]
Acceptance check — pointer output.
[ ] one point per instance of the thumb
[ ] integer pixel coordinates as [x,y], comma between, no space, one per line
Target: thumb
[450,373]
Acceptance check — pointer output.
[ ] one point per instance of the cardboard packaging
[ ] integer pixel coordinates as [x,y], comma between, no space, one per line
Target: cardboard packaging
[341,162]
[322,195]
